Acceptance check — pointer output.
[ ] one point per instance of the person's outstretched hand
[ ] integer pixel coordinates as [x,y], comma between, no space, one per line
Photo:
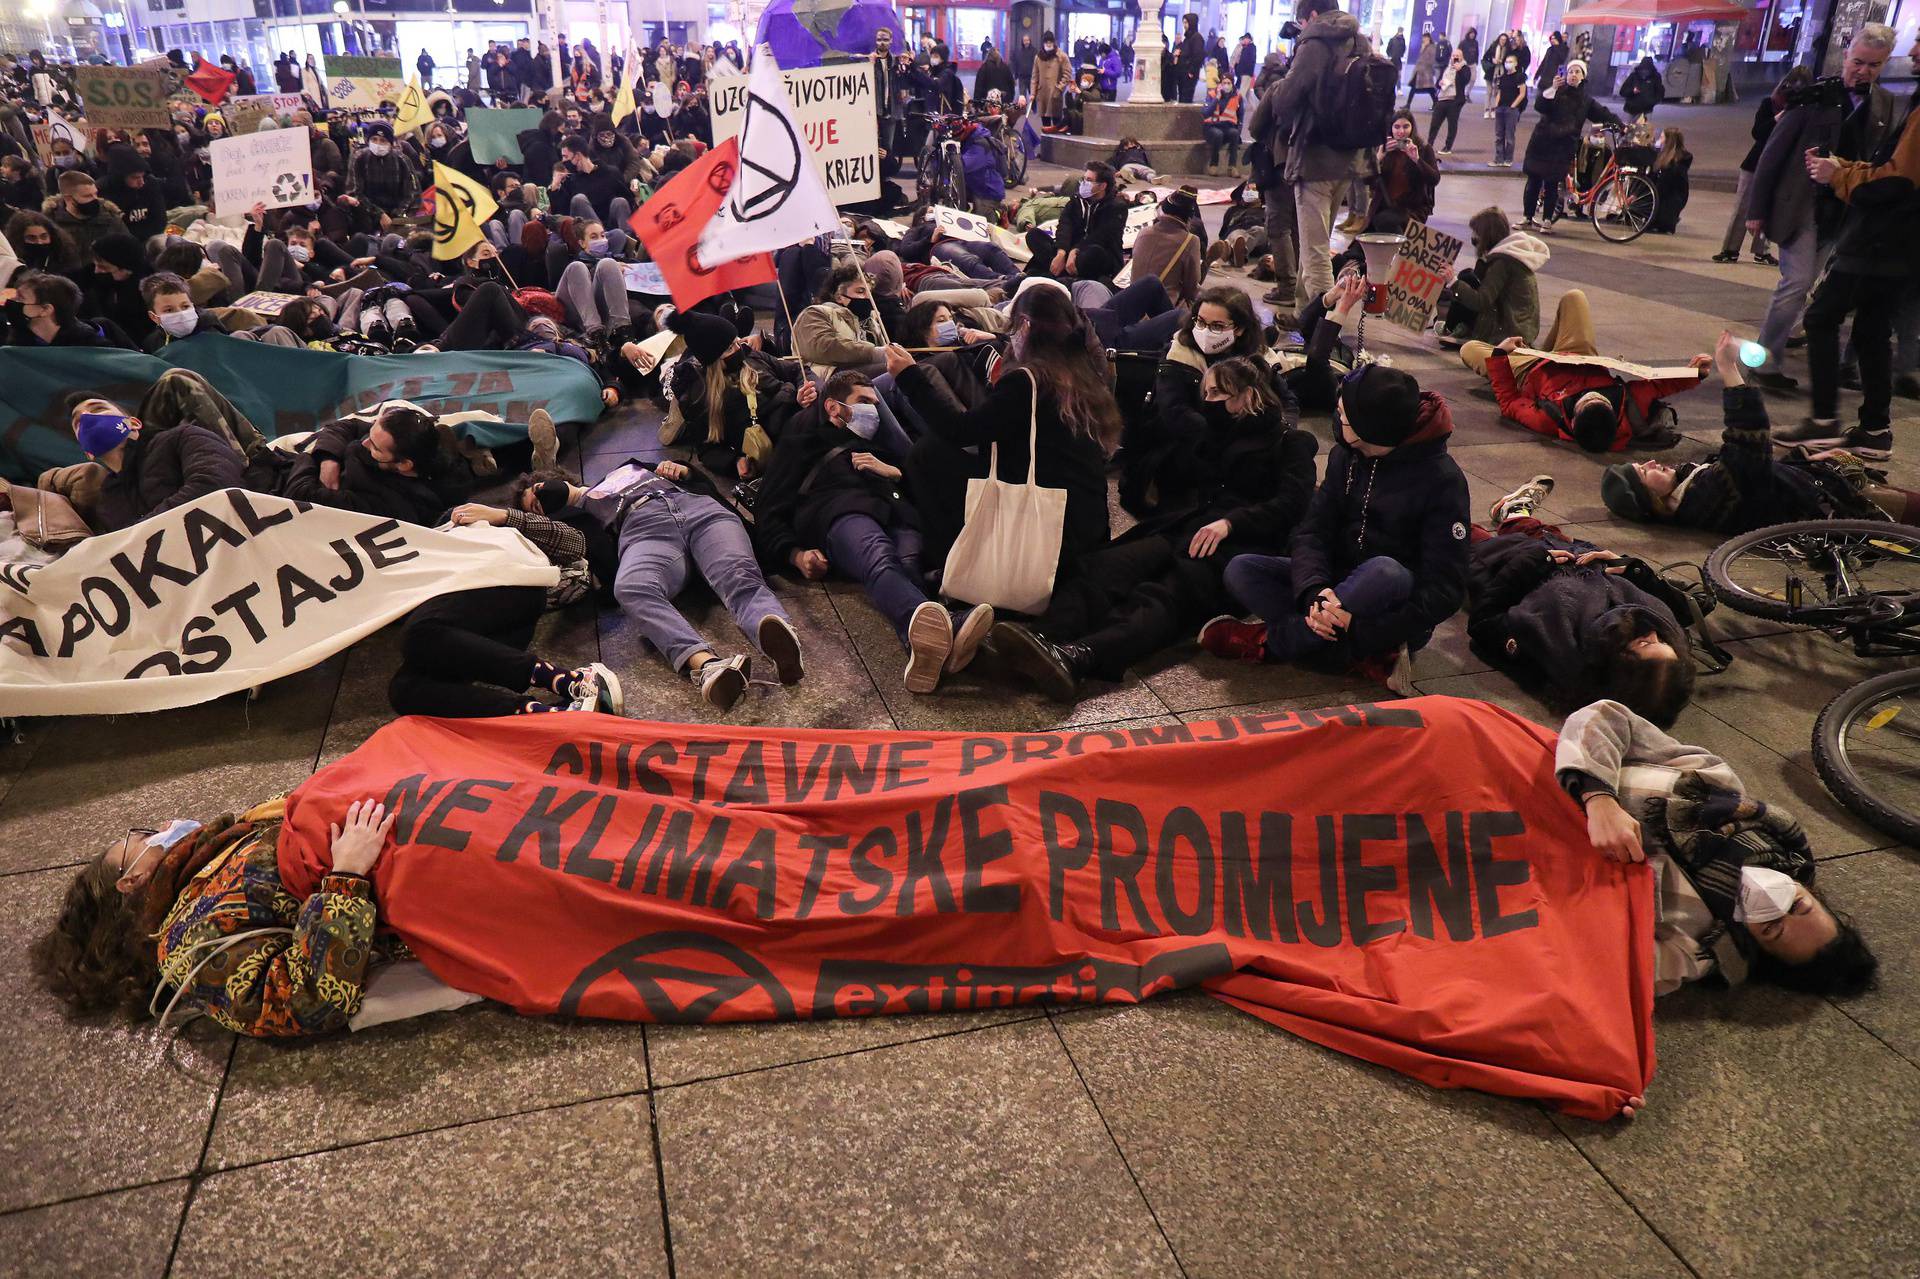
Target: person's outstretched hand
[899,359]
[1726,358]
[1613,831]
[358,842]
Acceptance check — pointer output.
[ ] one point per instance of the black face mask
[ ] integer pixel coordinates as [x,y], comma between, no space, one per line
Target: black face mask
[734,360]
[552,497]
[861,307]
[36,254]
[85,208]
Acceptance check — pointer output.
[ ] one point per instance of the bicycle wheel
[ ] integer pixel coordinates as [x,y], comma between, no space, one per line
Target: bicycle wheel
[953,183]
[1623,207]
[1866,746]
[1017,158]
[1820,572]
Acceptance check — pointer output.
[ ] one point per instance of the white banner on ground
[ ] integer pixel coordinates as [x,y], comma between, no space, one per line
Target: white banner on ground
[1627,370]
[962,225]
[274,168]
[833,109]
[225,593]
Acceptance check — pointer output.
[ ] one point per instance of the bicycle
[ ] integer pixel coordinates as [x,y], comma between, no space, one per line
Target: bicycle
[942,175]
[1857,581]
[1621,201]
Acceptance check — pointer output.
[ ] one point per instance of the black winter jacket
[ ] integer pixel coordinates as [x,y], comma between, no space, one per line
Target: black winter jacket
[1254,472]
[809,486]
[167,469]
[1743,487]
[1085,222]
[1411,506]
[365,487]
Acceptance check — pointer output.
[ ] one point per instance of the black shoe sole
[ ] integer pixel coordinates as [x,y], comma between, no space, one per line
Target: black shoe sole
[782,647]
[1026,657]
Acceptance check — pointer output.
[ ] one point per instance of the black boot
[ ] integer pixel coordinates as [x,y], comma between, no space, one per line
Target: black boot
[1055,669]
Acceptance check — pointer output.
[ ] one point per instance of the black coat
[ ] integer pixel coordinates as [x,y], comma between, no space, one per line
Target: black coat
[1411,506]
[365,487]
[1548,623]
[167,469]
[808,486]
[1743,488]
[1556,137]
[775,387]
[1643,88]
[993,75]
[1063,459]
[1254,472]
[1085,222]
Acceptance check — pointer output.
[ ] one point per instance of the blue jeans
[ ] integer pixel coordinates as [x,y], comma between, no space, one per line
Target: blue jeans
[1263,584]
[886,561]
[659,542]
[1506,128]
[1801,258]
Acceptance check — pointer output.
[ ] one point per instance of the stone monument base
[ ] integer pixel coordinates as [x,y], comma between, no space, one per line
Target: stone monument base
[1169,130]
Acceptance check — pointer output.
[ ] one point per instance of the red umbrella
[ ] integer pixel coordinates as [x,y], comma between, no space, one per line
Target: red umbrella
[1640,13]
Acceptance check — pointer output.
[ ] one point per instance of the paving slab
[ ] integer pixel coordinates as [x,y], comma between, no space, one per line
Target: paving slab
[1264,1154]
[93,1105]
[1881,891]
[975,1154]
[128,1234]
[570,1191]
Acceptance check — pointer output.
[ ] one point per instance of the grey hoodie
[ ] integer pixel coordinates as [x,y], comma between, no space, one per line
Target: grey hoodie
[1286,112]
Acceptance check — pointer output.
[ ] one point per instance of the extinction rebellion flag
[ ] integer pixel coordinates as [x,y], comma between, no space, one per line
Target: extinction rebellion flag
[1406,883]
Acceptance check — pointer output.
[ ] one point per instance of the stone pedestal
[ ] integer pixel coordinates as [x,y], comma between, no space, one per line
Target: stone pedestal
[1169,130]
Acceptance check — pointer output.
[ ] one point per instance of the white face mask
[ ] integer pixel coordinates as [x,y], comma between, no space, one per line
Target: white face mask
[1764,895]
[379,148]
[179,323]
[300,253]
[865,420]
[1212,343]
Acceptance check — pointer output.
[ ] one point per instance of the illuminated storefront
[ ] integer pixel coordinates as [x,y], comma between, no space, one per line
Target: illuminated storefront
[964,28]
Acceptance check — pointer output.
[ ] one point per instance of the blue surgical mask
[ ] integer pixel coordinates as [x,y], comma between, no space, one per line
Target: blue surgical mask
[947,333]
[865,420]
[1086,189]
[598,248]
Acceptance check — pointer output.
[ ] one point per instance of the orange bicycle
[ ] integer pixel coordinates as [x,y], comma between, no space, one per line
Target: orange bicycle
[1621,200]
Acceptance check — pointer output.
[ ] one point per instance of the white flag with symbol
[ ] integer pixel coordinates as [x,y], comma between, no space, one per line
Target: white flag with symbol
[777,196]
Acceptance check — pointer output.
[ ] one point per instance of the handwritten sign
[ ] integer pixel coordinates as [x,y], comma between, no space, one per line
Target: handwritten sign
[124,97]
[274,168]
[1417,273]
[263,303]
[245,111]
[834,108]
[644,277]
[363,83]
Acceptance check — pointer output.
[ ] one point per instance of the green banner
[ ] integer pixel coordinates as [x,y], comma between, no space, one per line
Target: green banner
[124,97]
[365,68]
[495,133]
[283,389]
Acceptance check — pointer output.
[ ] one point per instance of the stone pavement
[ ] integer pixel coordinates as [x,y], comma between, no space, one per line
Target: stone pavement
[1782,1134]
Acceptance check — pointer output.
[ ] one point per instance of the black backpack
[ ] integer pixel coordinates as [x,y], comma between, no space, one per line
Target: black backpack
[1353,107]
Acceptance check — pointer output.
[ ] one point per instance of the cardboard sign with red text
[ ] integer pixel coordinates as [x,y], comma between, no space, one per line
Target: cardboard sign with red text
[1418,273]
[1406,883]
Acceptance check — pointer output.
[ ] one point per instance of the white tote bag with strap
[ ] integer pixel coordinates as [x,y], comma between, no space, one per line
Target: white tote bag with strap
[1009,550]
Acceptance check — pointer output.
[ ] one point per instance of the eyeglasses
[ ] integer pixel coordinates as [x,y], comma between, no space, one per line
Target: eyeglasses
[1204,326]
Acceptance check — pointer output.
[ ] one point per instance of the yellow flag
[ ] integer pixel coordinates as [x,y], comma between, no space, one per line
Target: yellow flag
[413,112]
[460,205]
[623,100]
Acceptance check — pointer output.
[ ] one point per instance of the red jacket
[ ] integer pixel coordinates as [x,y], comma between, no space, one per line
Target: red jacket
[1534,401]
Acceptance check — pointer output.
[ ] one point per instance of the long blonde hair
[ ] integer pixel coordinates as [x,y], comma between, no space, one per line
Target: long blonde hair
[1672,144]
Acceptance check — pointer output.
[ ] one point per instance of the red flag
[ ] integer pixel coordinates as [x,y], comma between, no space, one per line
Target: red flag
[670,223]
[1406,882]
[210,82]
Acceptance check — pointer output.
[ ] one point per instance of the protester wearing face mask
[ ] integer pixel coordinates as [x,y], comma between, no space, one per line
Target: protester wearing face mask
[584,189]
[113,300]
[40,244]
[49,305]
[82,214]
[381,178]
[1733,876]
[1508,93]
[1095,215]
[148,475]
[841,331]
[1050,76]
[729,400]
[138,196]
[833,501]
[171,308]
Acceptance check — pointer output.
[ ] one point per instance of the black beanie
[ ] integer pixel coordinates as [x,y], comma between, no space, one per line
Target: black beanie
[707,336]
[1094,262]
[122,251]
[1382,404]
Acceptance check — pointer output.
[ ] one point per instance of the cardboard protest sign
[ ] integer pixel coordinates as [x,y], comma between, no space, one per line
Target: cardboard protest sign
[262,303]
[644,277]
[835,110]
[1139,218]
[56,126]
[1417,274]
[245,112]
[1625,369]
[124,97]
[1445,916]
[363,83]
[495,133]
[224,593]
[963,225]
[274,168]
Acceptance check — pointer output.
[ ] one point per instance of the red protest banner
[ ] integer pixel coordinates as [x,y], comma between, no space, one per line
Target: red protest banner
[209,81]
[1406,883]
[671,221]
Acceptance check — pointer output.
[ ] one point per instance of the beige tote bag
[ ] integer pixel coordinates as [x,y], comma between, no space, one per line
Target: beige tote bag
[1009,550]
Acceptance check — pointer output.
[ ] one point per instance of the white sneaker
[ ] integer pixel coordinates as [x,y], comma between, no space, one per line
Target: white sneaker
[1522,500]
[597,688]
[781,644]
[967,640]
[545,440]
[929,640]
[722,680]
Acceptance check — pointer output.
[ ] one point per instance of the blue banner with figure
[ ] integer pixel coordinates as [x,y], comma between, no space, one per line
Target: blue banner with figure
[282,389]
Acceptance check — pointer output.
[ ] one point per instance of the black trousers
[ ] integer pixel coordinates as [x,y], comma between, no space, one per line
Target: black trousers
[491,319]
[464,655]
[1447,112]
[1132,599]
[1871,300]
